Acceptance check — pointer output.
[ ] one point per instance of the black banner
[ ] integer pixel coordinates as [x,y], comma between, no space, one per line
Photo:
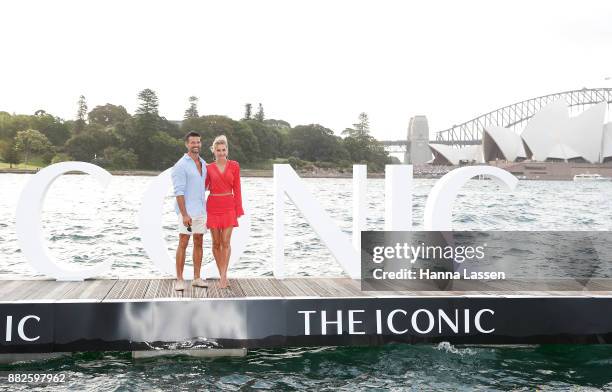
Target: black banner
[254,323]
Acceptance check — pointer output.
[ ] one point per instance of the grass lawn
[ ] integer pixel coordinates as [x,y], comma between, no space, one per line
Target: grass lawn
[30,165]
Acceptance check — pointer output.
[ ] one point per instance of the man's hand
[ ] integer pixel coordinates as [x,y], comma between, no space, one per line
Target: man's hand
[187,220]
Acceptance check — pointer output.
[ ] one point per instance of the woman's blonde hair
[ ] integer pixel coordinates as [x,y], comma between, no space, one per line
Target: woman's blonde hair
[221,139]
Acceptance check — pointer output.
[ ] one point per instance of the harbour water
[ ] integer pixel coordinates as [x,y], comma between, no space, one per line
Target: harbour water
[83,225]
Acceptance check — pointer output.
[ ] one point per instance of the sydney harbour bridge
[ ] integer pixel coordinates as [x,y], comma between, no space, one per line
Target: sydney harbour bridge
[512,116]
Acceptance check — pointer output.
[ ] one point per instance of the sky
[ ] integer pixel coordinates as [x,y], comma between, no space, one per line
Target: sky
[305,61]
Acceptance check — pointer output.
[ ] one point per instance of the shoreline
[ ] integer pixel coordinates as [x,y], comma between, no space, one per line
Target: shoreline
[263,173]
[525,170]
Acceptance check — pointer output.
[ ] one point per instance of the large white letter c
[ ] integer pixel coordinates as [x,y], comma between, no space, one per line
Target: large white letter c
[438,209]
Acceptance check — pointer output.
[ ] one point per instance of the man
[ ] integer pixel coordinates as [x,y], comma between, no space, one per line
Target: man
[188,175]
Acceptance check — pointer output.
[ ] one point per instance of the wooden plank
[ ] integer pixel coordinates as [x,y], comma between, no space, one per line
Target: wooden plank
[116,290]
[111,289]
[321,290]
[194,292]
[299,288]
[266,288]
[234,290]
[154,288]
[136,289]
[280,287]
[90,289]
[6,286]
[128,289]
[213,290]
[353,286]
[246,288]
[599,284]
[23,289]
[334,287]
[166,290]
[38,289]
[53,290]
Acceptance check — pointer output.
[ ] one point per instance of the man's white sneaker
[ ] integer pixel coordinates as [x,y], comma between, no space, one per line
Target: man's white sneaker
[179,285]
[199,282]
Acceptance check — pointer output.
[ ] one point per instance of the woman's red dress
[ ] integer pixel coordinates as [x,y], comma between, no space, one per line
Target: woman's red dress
[223,211]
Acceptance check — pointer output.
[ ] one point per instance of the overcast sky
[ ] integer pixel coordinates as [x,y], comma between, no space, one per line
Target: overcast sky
[306,61]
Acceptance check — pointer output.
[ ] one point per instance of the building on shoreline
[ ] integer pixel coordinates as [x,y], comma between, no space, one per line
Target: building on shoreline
[417,150]
[551,135]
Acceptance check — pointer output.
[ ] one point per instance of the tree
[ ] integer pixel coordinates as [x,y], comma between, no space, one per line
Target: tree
[108,115]
[192,111]
[281,125]
[166,150]
[11,124]
[268,138]
[366,149]
[149,103]
[88,145]
[52,127]
[30,141]
[243,145]
[361,129]
[61,157]
[315,143]
[81,113]
[247,111]
[120,159]
[10,154]
[363,125]
[138,135]
[260,113]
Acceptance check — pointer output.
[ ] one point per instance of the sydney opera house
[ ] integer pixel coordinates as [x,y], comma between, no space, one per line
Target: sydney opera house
[550,135]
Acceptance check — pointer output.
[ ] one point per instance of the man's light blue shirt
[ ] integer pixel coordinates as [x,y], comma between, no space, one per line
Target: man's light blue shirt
[188,182]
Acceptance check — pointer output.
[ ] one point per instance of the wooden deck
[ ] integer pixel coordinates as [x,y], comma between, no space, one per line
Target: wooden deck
[108,290]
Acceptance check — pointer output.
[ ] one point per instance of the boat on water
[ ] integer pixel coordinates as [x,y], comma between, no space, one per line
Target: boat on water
[591,177]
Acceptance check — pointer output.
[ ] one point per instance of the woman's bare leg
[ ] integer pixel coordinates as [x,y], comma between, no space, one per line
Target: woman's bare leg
[215,234]
[226,251]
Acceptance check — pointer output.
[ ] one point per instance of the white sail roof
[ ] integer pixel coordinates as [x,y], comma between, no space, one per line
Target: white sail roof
[453,155]
[607,142]
[551,133]
[502,141]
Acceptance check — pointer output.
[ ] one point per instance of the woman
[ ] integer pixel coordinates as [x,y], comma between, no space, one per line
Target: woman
[224,204]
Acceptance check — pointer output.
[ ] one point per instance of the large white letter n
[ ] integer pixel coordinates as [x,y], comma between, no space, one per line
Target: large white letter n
[286,181]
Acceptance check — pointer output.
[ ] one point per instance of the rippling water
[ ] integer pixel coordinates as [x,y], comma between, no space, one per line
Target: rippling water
[391,367]
[83,225]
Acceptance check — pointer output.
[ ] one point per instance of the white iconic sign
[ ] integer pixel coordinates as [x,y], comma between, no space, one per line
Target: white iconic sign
[398,215]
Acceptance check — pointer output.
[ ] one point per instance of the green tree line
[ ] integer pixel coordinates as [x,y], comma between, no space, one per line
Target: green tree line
[109,136]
